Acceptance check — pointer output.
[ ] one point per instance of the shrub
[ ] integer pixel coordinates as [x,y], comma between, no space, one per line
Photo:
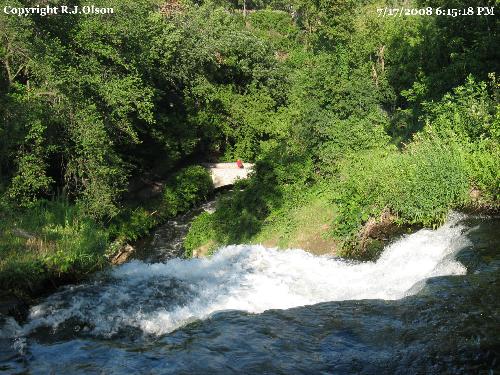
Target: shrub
[457,149]
[344,137]
[201,232]
[483,164]
[468,112]
[420,185]
[430,178]
[275,26]
[187,188]
[30,181]
[133,223]
[272,20]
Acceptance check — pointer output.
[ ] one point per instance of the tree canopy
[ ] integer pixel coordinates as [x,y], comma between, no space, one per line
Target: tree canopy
[86,102]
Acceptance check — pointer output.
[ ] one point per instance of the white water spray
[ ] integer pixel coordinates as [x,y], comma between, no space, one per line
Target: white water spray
[158,298]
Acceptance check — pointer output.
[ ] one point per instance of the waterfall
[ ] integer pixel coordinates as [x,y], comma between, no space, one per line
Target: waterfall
[160,297]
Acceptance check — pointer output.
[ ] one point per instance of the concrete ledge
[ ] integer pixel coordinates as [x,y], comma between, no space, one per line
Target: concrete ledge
[225,174]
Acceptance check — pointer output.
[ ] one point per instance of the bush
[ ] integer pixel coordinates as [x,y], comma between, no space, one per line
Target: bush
[345,137]
[430,178]
[272,20]
[471,117]
[133,223]
[457,150]
[468,113]
[187,188]
[483,164]
[201,232]
[184,190]
[275,26]
[30,181]
[419,185]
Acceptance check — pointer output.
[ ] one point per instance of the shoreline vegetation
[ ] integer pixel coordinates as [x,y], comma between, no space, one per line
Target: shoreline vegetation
[52,243]
[361,127]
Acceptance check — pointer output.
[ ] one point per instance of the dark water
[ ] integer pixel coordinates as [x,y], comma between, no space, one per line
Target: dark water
[450,325]
[166,242]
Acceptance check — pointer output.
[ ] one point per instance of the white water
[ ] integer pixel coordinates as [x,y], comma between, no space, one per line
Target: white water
[158,298]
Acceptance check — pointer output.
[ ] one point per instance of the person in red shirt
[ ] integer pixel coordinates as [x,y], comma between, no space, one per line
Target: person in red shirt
[239,163]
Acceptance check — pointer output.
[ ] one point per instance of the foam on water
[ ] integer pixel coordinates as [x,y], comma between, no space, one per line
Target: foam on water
[158,298]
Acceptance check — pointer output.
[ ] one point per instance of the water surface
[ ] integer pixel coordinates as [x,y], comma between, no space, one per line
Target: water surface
[428,305]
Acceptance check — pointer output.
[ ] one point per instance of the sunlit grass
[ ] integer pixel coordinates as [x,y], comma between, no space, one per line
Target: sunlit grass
[47,241]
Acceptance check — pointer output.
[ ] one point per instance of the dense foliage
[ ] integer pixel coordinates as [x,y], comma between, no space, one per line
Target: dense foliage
[399,119]
[55,240]
[354,113]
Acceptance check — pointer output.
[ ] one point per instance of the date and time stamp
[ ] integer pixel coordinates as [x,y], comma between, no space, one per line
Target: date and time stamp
[432,11]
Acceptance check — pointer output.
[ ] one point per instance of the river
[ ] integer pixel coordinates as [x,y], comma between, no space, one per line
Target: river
[430,304]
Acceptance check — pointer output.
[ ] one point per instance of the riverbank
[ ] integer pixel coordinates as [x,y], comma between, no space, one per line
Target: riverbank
[53,243]
[308,225]
[369,198]
[302,227]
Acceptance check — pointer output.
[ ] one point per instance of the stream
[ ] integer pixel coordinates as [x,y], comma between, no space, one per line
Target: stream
[429,305]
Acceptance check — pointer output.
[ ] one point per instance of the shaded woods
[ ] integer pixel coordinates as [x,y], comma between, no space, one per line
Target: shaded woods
[359,116]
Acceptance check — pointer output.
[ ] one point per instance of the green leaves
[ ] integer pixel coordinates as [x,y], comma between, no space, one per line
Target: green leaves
[30,181]
[468,113]
[456,153]
[94,169]
[190,186]
[306,89]
[87,88]
[419,185]
[62,243]
[201,232]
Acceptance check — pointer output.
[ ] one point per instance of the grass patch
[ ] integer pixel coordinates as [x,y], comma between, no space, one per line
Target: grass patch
[418,186]
[304,225]
[201,236]
[50,241]
[303,221]
[53,241]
